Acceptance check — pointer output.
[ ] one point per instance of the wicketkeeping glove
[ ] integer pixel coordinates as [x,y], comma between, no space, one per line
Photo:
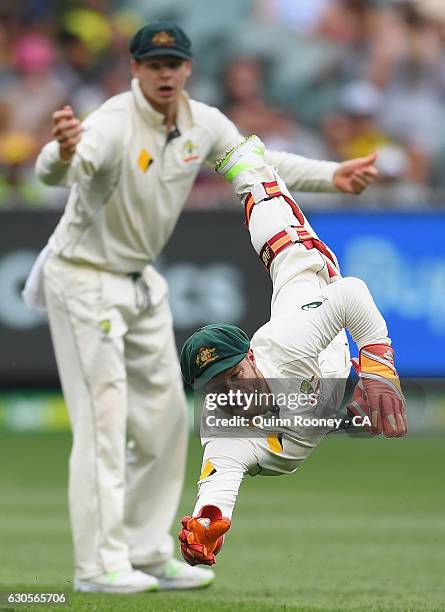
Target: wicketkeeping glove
[202,536]
[378,394]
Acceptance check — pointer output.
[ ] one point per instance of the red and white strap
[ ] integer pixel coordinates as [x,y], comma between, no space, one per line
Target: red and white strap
[291,235]
[287,237]
[267,191]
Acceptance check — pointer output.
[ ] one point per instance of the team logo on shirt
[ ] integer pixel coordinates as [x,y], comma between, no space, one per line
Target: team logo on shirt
[310,386]
[163,39]
[189,149]
[105,329]
[315,304]
[205,356]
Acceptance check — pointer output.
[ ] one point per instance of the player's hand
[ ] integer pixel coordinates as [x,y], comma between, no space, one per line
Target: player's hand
[355,175]
[67,131]
[378,394]
[202,536]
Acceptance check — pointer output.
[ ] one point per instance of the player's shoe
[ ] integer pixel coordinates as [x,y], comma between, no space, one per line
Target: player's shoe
[248,155]
[129,581]
[174,574]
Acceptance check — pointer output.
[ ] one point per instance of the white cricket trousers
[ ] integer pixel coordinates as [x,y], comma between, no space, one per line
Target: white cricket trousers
[117,361]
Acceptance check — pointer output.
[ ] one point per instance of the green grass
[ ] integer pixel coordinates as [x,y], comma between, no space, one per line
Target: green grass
[360,527]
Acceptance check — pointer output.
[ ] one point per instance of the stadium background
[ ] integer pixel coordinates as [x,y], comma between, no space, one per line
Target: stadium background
[328,79]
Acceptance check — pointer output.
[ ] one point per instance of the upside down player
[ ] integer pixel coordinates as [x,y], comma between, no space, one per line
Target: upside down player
[305,338]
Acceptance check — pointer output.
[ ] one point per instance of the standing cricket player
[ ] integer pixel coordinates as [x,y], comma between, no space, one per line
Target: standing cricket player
[131,166]
[303,342]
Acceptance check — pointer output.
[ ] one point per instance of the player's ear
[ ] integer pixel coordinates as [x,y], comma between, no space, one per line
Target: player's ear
[188,64]
[251,357]
[134,67]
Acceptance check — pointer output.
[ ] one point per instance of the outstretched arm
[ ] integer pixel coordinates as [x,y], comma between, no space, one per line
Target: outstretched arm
[298,172]
[224,465]
[302,174]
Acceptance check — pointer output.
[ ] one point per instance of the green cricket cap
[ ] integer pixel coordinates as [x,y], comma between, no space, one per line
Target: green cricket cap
[160,38]
[211,350]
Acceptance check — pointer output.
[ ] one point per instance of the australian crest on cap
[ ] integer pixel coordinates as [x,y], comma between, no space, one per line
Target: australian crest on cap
[163,39]
[204,356]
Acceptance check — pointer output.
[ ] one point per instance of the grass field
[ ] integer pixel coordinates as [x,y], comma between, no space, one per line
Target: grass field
[361,527]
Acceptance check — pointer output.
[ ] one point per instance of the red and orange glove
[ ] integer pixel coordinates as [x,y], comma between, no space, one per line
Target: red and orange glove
[378,394]
[202,536]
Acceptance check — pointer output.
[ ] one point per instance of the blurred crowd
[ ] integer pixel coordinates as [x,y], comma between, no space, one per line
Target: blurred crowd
[328,79]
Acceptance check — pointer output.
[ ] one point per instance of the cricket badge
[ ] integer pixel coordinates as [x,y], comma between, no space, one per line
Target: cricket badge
[105,329]
[189,151]
[205,356]
[163,39]
[310,387]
